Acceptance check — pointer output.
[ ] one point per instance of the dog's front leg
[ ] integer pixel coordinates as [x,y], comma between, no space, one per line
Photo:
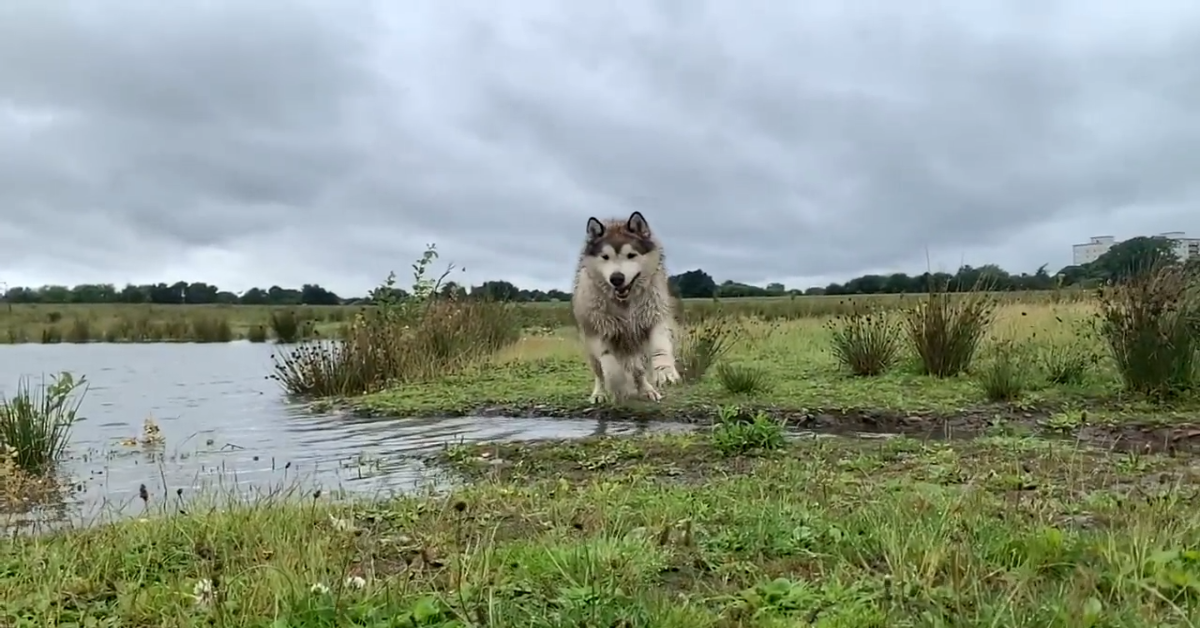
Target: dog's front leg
[616,376]
[662,355]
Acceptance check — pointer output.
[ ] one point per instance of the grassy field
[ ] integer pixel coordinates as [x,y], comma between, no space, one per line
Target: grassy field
[964,463]
[55,323]
[1064,377]
[689,531]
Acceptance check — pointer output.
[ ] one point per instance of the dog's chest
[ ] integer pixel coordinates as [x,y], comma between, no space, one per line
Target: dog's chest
[628,332]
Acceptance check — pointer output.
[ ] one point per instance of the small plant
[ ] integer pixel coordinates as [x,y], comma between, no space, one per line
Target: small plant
[36,424]
[946,329]
[736,434]
[742,380]
[1003,378]
[286,325]
[865,340]
[1149,322]
[705,343]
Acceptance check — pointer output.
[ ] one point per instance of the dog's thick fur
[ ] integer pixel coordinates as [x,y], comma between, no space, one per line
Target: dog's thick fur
[628,332]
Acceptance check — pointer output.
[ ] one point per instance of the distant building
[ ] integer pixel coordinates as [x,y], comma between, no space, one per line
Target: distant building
[1090,251]
[1185,247]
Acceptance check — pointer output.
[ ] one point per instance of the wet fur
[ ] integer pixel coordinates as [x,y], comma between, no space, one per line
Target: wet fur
[630,341]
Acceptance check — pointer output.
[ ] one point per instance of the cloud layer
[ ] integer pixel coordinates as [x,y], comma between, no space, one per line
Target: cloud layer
[312,140]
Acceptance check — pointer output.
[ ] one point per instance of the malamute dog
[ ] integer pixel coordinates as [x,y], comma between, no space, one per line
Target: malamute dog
[623,309]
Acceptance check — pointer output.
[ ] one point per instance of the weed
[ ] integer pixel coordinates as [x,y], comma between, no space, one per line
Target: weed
[705,343]
[1065,362]
[865,341]
[1149,323]
[36,424]
[946,329]
[211,329]
[736,434]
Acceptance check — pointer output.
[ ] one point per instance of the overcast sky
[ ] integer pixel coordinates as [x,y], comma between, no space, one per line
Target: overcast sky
[285,142]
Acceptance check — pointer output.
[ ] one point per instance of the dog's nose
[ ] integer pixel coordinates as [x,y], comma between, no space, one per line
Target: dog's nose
[617,279]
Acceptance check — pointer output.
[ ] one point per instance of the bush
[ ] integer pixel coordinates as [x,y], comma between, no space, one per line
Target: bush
[947,328]
[1150,323]
[865,340]
[742,380]
[1003,378]
[399,342]
[35,425]
[705,343]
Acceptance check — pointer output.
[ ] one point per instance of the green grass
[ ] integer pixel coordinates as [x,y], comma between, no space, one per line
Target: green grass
[661,532]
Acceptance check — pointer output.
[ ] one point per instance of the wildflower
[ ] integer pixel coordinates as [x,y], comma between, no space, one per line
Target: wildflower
[203,592]
[356,582]
[319,589]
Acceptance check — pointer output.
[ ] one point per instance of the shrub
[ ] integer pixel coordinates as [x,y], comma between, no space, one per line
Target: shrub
[286,324]
[211,329]
[1149,322]
[865,340]
[705,343]
[257,333]
[36,424]
[947,328]
[742,380]
[1003,378]
[736,434]
[399,342]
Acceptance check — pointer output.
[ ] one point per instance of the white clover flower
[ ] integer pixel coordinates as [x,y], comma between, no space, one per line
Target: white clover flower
[319,589]
[356,582]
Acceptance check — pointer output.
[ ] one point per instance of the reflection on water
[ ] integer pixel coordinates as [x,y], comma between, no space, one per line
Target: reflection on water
[227,425]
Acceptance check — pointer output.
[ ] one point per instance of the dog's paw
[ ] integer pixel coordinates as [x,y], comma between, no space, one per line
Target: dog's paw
[597,397]
[650,393]
[665,374]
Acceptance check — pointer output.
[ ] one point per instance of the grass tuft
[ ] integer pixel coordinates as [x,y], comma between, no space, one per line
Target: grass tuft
[1150,322]
[867,342]
[705,343]
[946,329]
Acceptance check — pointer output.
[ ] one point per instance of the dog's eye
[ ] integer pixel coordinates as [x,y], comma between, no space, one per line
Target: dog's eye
[604,256]
[631,255]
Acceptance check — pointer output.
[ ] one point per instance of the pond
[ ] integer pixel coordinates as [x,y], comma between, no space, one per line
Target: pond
[226,424]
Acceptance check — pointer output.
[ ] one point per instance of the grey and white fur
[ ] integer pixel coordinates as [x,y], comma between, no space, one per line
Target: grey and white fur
[624,310]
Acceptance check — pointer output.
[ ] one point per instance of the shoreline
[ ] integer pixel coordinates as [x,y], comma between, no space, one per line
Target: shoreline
[1131,430]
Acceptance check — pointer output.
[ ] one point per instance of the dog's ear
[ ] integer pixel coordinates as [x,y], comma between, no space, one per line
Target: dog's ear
[595,229]
[637,224]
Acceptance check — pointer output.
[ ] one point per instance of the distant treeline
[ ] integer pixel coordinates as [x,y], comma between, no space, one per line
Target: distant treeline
[693,284]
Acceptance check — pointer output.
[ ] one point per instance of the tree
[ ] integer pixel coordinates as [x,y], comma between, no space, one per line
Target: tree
[1133,256]
[694,284]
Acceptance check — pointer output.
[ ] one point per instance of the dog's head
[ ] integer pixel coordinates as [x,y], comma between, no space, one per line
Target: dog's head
[621,253]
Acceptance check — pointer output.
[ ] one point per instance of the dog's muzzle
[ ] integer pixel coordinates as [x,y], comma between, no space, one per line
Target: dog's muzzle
[622,286]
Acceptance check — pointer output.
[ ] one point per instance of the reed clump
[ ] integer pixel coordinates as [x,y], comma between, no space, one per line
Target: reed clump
[35,423]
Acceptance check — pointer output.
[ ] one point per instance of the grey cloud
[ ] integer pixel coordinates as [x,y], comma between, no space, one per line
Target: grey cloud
[316,140]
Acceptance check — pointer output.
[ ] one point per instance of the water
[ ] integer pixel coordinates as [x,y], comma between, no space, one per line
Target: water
[225,424]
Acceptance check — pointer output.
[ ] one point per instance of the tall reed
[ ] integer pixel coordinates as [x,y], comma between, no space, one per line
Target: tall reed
[35,423]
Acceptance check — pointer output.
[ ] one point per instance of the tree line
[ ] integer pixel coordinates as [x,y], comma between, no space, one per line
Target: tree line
[1121,258]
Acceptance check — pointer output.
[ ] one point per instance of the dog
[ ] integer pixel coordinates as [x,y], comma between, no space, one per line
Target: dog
[624,311]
